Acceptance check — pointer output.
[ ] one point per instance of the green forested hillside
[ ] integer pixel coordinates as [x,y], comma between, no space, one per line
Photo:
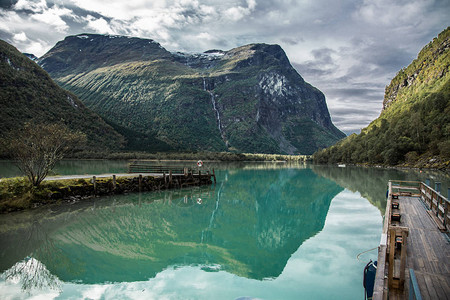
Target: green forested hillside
[28,94]
[414,126]
[248,99]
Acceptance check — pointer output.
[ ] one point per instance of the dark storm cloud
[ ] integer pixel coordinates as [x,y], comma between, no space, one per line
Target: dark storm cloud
[7,4]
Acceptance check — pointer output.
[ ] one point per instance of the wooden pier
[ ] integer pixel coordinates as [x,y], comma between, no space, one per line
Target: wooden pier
[140,178]
[414,251]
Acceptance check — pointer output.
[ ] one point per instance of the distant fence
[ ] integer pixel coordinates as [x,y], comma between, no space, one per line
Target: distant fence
[170,170]
[145,168]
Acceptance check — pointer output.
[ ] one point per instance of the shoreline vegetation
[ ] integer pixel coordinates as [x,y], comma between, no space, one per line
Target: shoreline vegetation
[18,193]
[203,155]
[424,162]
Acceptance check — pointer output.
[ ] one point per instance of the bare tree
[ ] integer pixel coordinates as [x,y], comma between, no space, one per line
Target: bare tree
[37,147]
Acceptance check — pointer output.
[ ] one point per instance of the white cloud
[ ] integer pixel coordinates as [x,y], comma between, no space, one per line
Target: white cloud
[392,13]
[20,37]
[36,6]
[238,12]
[52,16]
[99,25]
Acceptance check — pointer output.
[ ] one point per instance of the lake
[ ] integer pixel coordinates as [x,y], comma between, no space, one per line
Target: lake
[263,231]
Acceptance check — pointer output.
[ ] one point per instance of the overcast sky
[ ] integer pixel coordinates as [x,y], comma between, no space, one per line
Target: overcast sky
[348,49]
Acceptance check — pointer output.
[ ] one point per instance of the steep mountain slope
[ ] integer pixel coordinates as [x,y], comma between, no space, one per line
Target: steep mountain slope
[414,125]
[27,93]
[248,99]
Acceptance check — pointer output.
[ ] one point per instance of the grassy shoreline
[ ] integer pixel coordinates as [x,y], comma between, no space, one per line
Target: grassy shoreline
[206,156]
[17,194]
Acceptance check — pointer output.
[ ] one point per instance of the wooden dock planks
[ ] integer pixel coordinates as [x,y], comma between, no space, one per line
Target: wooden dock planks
[428,251]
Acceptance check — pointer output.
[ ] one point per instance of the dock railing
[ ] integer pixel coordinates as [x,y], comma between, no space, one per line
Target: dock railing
[144,168]
[438,204]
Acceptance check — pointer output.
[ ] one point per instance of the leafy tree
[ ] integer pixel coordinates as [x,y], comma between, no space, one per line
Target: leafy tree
[37,147]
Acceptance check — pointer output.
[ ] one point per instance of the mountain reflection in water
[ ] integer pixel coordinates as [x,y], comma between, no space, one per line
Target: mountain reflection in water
[249,224]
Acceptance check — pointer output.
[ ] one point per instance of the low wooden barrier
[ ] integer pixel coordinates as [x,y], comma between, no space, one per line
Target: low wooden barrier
[438,205]
[143,168]
[169,171]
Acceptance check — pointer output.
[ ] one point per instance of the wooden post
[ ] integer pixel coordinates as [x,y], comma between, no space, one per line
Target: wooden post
[403,257]
[391,257]
[431,200]
[438,201]
[94,181]
[446,211]
[165,180]
[214,175]
[140,182]
[437,187]
[114,182]
[430,197]
[170,177]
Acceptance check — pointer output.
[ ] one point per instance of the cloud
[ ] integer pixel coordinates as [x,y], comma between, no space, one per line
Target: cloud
[99,25]
[52,16]
[20,37]
[36,6]
[238,12]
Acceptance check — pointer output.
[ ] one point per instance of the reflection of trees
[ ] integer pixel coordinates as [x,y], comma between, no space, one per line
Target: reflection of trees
[371,183]
[30,272]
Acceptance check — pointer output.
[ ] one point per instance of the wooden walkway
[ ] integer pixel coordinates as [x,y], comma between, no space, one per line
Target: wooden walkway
[109,175]
[415,241]
[428,252]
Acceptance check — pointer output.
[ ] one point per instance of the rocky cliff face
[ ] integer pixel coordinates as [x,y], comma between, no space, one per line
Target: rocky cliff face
[248,99]
[430,66]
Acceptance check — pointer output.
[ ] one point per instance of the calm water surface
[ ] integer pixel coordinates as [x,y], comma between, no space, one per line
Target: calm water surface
[264,231]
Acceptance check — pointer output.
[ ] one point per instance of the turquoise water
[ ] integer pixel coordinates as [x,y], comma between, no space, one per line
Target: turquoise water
[264,231]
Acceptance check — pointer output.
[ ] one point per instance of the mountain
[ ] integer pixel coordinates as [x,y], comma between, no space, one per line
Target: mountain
[248,99]
[31,56]
[28,94]
[414,126]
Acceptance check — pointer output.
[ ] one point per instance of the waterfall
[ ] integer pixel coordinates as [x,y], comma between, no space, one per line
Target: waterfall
[216,111]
